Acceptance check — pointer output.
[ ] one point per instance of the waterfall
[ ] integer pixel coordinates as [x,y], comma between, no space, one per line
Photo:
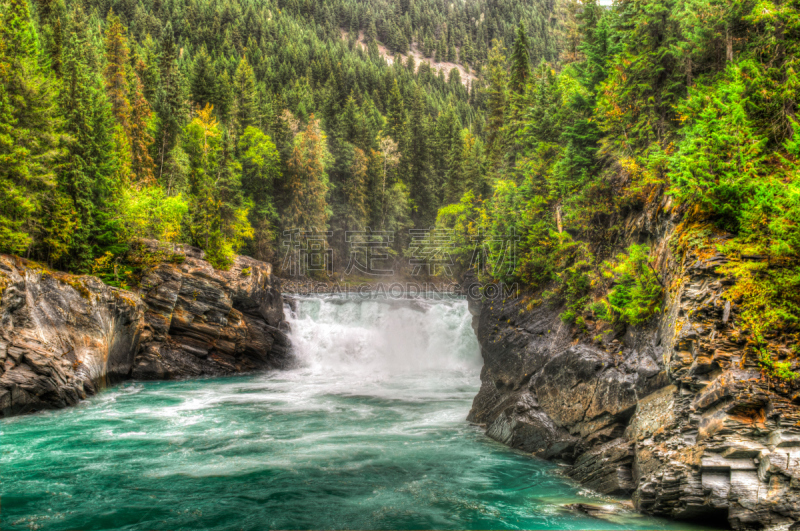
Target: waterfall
[381,339]
[366,431]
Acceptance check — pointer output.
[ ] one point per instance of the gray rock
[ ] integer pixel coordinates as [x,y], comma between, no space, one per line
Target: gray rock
[673,412]
[64,337]
[205,322]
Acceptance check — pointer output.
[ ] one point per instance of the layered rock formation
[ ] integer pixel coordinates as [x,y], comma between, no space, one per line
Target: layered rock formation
[204,322]
[673,413]
[63,337]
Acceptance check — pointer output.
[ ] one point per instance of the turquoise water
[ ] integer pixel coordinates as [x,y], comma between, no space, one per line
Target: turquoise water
[368,432]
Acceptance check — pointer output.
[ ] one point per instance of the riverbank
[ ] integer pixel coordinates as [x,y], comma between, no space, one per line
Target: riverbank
[366,432]
[64,337]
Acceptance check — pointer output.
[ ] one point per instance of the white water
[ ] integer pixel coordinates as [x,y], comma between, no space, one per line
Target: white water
[368,431]
[376,340]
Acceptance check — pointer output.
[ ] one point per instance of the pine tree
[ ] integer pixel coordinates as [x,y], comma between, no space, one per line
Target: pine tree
[204,80]
[420,185]
[139,136]
[245,108]
[51,18]
[636,104]
[397,128]
[116,76]
[520,62]
[497,105]
[89,174]
[308,180]
[354,192]
[224,95]
[455,184]
[261,170]
[169,104]
[28,128]
[220,222]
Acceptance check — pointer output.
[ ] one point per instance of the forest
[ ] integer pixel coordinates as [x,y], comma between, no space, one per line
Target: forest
[224,123]
[680,104]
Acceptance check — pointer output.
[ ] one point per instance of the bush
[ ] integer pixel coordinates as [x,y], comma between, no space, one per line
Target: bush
[719,160]
[637,290]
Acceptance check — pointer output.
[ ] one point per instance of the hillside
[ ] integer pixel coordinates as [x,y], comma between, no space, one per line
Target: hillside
[225,124]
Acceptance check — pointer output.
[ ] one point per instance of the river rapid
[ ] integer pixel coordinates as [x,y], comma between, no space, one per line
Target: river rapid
[366,432]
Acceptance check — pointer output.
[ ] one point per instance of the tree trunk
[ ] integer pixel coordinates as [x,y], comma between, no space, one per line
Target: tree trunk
[728,45]
[558,219]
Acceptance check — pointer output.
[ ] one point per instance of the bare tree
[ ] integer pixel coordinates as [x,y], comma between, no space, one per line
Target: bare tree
[391,157]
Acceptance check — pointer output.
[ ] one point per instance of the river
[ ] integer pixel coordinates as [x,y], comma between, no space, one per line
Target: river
[367,432]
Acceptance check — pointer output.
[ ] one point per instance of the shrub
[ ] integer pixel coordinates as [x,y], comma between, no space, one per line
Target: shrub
[637,290]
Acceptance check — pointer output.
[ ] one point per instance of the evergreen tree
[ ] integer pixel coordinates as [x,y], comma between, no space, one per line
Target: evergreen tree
[520,62]
[261,170]
[90,173]
[204,80]
[397,127]
[220,222]
[497,105]
[420,186]
[139,136]
[169,104]
[308,180]
[116,76]
[245,109]
[28,128]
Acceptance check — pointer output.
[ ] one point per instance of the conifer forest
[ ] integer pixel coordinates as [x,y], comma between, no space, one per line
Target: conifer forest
[614,190]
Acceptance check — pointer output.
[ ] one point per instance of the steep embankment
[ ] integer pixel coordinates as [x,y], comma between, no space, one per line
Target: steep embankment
[673,413]
[62,337]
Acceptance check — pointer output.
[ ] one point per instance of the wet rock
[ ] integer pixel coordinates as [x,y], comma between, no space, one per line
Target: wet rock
[200,321]
[62,337]
[673,412]
[601,512]
[606,468]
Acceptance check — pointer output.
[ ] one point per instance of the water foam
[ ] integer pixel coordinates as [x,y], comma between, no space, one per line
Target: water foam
[377,339]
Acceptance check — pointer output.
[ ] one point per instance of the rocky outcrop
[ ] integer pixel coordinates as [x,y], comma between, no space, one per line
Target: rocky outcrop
[205,322]
[64,337]
[672,413]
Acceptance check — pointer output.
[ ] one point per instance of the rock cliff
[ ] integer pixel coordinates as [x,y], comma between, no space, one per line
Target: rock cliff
[673,413]
[64,337]
[61,336]
[204,322]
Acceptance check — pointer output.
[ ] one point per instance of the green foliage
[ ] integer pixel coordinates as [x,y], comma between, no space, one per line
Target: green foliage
[150,213]
[223,124]
[520,62]
[637,292]
[261,170]
[308,180]
[776,369]
[768,297]
[574,262]
[720,158]
[219,208]
[28,127]
[694,100]
[463,218]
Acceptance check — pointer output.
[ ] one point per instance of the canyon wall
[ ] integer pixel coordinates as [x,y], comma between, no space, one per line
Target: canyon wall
[63,337]
[673,413]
